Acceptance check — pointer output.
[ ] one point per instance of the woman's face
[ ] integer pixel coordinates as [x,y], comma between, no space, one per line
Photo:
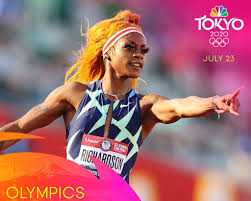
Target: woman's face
[127,58]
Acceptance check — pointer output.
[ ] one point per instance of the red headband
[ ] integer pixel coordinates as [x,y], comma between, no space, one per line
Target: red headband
[114,38]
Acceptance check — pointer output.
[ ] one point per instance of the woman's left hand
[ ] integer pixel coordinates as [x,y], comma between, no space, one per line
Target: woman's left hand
[228,103]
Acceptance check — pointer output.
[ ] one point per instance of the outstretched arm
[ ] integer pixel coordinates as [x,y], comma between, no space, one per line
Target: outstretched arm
[39,116]
[169,111]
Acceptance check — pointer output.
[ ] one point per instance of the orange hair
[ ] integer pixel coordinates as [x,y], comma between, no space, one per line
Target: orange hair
[90,66]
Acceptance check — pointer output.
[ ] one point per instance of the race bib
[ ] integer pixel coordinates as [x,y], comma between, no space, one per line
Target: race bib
[110,152]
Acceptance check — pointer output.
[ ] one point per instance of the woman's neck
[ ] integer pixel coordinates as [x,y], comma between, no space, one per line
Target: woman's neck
[114,85]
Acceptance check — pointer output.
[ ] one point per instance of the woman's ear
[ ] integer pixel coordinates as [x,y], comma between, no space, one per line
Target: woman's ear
[108,53]
[107,56]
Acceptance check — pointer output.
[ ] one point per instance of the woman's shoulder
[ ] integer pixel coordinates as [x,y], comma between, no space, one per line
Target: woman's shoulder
[73,92]
[146,102]
[75,86]
[148,98]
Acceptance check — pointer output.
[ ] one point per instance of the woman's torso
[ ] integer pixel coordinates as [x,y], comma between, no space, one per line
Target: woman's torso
[90,117]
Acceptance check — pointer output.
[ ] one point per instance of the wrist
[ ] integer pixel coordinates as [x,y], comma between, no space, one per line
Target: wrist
[214,106]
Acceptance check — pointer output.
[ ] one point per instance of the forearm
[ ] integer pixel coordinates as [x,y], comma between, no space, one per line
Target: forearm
[11,127]
[194,106]
[169,111]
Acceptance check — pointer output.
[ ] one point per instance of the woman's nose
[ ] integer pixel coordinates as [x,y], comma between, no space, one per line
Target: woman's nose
[138,56]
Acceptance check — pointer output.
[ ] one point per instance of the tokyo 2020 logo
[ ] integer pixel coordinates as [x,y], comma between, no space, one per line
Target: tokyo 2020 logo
[220,37]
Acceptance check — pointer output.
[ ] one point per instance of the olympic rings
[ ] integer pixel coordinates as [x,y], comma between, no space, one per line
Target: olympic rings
[219,39]
[216,42]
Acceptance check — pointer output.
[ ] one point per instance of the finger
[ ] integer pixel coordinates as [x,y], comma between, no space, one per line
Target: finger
[236,93]
[223,106]
[232,109]
[236,105]
[234,113]
[220,111]
[227,98]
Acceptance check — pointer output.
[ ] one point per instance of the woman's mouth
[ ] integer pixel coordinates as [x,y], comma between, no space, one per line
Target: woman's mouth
[136,64]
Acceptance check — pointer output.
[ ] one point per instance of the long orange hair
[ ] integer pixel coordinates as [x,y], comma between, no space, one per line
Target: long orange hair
[90,66]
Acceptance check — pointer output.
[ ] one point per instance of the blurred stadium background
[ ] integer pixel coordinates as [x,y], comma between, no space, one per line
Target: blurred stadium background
[200,159]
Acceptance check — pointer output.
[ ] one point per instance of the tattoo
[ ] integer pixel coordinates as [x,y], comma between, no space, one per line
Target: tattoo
[41,108]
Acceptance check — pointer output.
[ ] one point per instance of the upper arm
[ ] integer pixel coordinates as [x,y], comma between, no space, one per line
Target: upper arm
[161,109]
[57,102]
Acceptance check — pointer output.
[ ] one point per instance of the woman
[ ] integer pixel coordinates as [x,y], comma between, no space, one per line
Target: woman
[102,110]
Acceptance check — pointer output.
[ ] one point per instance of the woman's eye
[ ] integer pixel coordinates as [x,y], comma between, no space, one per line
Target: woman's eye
[145,51]
[129,47]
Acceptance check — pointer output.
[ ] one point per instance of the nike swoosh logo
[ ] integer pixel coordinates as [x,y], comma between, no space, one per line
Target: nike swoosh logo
[122,105]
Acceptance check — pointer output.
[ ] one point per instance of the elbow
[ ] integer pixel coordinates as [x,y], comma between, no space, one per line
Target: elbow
[178,108]
[170,120]
[171,117]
